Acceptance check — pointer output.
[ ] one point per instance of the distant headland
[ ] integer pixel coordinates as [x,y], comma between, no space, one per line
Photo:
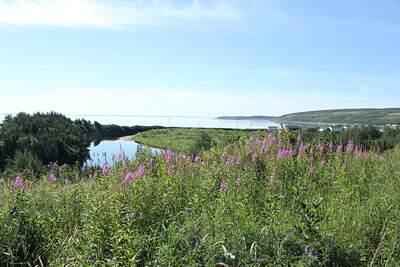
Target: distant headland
[365,116]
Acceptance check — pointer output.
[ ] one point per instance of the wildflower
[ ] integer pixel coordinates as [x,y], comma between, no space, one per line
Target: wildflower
[251,138]
[141,170]
[189,159]
[254,159]
[223,155]
[280,154]
[129,176]
[330,148]
[290,153]
[95,175]
[309,250]
[19,182]
[52,177]
[339,149]
[168,155]
[279,136]
[321,149]
[120,156]
[311,171]
[312,152]
[350,146]
[197,159]
[258,142]
[239,160]
[223,186]
[106,169]
[322,162]
[272,178]
[299,138]
[230,160]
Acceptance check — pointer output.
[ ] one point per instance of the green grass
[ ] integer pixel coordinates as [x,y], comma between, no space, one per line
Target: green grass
[183,139]
[361,116]
[275,211]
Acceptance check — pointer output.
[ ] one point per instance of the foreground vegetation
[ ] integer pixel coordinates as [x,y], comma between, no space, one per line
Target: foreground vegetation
[273,201]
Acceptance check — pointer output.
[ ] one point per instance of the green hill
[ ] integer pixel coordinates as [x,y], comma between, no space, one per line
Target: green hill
[372,116]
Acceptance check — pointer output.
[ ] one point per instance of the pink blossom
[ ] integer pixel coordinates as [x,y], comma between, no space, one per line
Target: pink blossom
[322,162]
[52,177]
[19,182]
[197,159]
[330,148]
[299,138]
[170,167]
[350,146]
[95,175]
[239,160]
[339,149]
[168,155]
[272,178]
[258,142]
[120,156]
[141,170]
[254,159]
[106,169]
[223,186]
[321,149]
[311,171]
[129,176]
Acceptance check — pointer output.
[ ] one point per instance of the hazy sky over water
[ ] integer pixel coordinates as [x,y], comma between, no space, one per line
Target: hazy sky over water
[198,57]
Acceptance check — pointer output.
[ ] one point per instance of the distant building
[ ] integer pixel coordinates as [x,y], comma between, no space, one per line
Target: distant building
[336,128]
[272,128]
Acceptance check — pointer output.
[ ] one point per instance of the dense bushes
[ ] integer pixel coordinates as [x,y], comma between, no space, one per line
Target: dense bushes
[50,137]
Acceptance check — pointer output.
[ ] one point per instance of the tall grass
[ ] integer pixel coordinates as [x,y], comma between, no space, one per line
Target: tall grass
[255,202]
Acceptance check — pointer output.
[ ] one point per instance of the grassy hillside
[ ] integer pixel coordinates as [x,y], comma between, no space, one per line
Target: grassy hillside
[362,116]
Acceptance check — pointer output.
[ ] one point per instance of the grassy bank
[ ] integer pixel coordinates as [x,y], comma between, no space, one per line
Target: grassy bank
[183,139]
[267,202]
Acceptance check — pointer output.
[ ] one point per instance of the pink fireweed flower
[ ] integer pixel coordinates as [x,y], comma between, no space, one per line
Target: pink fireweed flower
[223,155]
[272,178]
[52,177]
[129,176]
[311,171]
[265,142]
[106,169]
[251,150]
[230,160]
[299,138]
[279,136]
[330,148]
[291,153]
[299,156]
[272,140]
[239,160]
[141,170]
[251,138]
[311,152]
[339,149]
[190,159]
[120,156]
[95,175]
[254,159]
[280,154]
[223,186]
[19,182]
[322,162]
[258,142]
[197,159]
[321,149]
[168,155]
[350,146]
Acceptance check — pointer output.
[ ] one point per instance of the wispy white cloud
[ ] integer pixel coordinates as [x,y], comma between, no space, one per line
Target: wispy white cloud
[114,13]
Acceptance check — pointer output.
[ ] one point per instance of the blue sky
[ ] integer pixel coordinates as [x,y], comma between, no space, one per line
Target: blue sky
[198,57]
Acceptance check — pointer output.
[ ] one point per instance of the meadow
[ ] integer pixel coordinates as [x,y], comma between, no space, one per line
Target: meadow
[276,200]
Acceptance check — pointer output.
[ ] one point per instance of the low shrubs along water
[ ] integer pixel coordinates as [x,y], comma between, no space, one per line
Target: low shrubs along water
[255,202]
